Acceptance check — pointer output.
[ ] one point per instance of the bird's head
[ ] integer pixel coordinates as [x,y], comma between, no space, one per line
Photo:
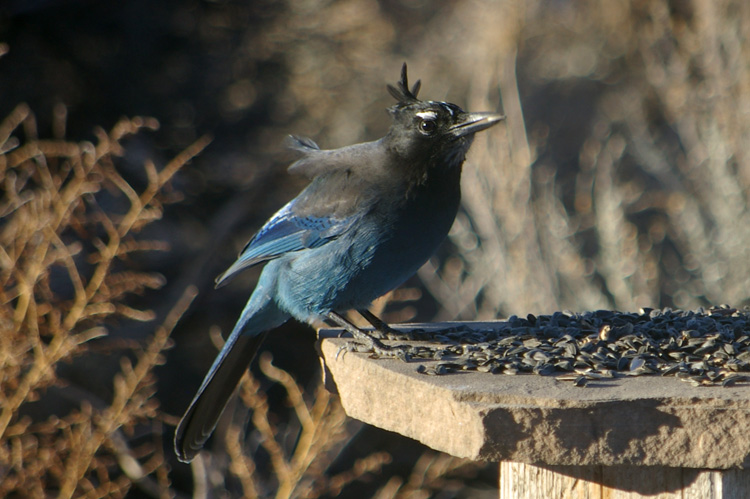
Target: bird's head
[432,129]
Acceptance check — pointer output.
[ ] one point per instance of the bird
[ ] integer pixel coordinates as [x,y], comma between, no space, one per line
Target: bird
[371,215]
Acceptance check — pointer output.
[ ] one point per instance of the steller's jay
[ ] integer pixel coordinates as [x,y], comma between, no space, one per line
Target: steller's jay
[372,214]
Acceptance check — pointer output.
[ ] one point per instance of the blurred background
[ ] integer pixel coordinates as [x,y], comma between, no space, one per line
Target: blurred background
[618,181]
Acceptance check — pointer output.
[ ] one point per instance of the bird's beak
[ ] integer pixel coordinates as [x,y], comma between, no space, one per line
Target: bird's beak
[474,122]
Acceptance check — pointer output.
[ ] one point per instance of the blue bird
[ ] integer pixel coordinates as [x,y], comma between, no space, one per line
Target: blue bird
[372,214]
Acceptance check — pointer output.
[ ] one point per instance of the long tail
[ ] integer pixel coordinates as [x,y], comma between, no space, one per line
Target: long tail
[248,334]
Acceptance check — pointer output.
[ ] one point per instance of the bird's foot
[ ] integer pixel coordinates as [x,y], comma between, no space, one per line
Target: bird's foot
[366,342]
[389,333]
[377,349]
[383,330]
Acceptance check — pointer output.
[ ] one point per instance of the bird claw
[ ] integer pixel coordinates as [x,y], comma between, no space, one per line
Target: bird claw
[352,346]
[377,349]
[382,330]
[385,332]
[401,352]
[369,341]
[395,334]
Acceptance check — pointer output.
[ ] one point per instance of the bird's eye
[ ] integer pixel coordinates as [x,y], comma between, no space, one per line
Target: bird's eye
[427,127]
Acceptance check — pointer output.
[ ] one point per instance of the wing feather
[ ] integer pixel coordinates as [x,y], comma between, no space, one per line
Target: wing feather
[284,233]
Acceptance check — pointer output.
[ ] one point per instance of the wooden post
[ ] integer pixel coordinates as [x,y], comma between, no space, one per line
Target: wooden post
[519,480]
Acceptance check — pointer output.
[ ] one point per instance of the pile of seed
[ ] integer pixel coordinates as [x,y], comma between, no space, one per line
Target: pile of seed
[702,347]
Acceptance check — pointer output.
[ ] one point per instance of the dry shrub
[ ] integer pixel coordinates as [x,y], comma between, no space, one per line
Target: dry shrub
[64,272]
[620,178]
[296,450]
[434,474]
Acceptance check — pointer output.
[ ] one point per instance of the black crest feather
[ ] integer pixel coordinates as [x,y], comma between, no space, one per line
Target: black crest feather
[402,94]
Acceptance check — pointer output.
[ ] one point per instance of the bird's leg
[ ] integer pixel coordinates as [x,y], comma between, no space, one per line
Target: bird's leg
[369,342]
[382,327]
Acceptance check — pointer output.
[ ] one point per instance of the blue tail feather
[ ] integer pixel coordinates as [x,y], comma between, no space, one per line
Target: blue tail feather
[259,316]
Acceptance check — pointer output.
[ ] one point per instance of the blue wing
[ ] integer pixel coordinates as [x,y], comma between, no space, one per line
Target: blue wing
[284,233]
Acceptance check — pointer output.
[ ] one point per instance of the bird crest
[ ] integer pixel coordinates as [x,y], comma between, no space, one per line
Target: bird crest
[401,92]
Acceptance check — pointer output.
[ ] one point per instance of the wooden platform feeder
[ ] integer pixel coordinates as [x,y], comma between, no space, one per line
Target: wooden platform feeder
[645,436]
